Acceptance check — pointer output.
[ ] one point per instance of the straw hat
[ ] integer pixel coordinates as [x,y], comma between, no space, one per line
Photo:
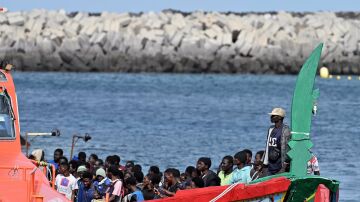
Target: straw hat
[278,112]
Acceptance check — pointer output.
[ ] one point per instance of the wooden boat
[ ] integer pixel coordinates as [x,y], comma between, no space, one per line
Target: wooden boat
[293,186]
[20,179]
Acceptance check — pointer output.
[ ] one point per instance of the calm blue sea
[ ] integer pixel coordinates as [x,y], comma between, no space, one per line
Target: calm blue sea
[171,120]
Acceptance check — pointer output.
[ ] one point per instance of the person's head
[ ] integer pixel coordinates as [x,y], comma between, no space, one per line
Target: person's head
[114,173]
[131,183]
[137,168]
[64,169]
[240,158]
[57,154]
[92,159]
[155,179]
[197,182]
[73,166]
[195,173]
[147,180]
[189,170]
[98,164]
[107,162]
[277,115]
[82,156]
[227,163]
[203,164]
[81,170]
[139,176]
[116,160]
[248,155]
[127,175]
[63,159]
[171,175]
[87,179]
[154,170]
[259,156]
[129,166]
[100,174]
[182,177]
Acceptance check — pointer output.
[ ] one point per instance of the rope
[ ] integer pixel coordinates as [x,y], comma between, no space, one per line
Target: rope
[225,191]
[300,133]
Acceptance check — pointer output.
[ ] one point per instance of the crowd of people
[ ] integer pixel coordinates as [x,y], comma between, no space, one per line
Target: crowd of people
[89,179]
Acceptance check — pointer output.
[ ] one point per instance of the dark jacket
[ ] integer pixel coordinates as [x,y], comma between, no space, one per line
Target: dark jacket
[285,137]
[211,179]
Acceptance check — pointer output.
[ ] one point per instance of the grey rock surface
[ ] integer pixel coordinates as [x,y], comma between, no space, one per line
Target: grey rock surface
[171,41]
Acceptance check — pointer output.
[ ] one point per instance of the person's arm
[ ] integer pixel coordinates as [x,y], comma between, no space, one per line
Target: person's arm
[73,195]
[56,181]
[169,193]
[74,189]
[286,136]
[112,197]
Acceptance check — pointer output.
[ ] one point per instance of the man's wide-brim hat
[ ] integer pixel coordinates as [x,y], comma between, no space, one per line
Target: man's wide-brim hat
[278,112]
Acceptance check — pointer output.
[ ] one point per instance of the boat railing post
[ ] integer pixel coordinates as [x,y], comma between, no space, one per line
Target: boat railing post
[75,138]
[32,183]
[27,145]
[72,146]
[53,176]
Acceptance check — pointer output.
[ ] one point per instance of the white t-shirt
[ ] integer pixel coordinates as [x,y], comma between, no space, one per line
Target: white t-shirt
[65,185]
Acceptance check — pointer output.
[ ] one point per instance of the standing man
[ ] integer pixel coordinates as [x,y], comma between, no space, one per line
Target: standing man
[275,157]
[210,178]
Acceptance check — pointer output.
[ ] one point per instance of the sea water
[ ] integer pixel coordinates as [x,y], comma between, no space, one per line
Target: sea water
[171,120]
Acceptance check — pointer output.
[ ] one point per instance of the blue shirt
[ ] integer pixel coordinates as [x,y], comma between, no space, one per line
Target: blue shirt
[85,194]
[241,175]
[139,195]
[54,163]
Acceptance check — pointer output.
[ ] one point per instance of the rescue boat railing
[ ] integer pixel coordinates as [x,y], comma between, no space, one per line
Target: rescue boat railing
[44,166]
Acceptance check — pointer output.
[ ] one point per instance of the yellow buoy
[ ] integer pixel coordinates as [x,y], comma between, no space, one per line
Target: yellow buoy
[349,78]
[324,72]
[330,76]
[338,77]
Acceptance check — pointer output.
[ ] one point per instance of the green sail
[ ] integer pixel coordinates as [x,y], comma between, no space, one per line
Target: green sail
[301,114]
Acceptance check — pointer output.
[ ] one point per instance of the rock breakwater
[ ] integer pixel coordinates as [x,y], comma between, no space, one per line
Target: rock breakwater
[171,41]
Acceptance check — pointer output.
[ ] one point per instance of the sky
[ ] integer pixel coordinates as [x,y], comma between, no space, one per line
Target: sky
[183,5]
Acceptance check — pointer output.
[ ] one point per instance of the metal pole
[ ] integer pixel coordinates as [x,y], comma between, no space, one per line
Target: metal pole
[72,146]
[26,145]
